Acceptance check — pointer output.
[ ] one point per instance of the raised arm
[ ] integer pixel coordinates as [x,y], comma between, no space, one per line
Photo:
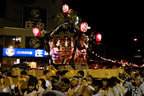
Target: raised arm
[19,87]
[10,79]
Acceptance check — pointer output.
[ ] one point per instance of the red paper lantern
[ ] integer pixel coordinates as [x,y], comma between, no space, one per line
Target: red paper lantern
[65,8]
[95,66]
[84,27]
[36,31]
[55,50]
[98,37]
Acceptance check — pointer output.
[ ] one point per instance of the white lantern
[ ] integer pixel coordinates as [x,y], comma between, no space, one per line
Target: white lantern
[84,27]
[65,8]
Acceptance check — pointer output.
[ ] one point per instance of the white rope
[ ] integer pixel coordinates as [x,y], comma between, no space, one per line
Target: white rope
[58,28]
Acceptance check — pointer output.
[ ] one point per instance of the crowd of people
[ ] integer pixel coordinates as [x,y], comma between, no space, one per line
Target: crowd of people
[129,83]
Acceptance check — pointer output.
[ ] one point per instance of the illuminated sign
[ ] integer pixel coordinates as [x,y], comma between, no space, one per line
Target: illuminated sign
[22,52]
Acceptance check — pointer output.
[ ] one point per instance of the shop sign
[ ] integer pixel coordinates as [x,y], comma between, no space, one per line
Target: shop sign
[34,17]
[22,52]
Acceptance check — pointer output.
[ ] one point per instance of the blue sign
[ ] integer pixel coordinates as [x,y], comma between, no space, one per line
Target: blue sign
[22,52]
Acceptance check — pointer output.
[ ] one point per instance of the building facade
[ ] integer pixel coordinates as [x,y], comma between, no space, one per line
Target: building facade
[12,12]
[18,17]
[22,42]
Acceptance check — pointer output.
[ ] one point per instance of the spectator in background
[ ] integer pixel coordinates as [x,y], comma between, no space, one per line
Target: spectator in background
[120,88]
[142,75]
[89,79]
[47,78]
[4,73]
[132,75]
[105,86]
[96,85]
[81,74]
[112,88]
[31,89]
[129,82]
[58,73]
[0,73]
[6,89]
[56,88]
[65,84]
[23,80]
[138,86]
[137,70]
[89,88]
[87,91]
[24,76]
[41,87]
[63,73]
[86,85]
[74,88]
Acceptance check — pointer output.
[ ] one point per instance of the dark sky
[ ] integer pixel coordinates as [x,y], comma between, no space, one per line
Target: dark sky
[113,19]
[118,22]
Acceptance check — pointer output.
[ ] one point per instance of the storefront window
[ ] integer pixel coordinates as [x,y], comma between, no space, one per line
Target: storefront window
[13,41]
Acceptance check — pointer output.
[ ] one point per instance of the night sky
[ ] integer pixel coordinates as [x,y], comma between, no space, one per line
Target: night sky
[118,22]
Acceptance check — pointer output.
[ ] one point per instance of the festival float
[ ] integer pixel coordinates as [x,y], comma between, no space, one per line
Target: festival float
[67,44]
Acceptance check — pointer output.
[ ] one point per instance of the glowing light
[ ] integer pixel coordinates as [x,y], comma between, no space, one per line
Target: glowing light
[135,39]
[122,63]
[65,8]
[98,37]
[137,56]
[33,64]
[18,61]
[11,46]
[138,50]
[84,27]
[36,31]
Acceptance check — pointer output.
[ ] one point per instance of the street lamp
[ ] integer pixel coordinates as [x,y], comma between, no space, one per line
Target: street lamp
[135,39]
[139,50]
